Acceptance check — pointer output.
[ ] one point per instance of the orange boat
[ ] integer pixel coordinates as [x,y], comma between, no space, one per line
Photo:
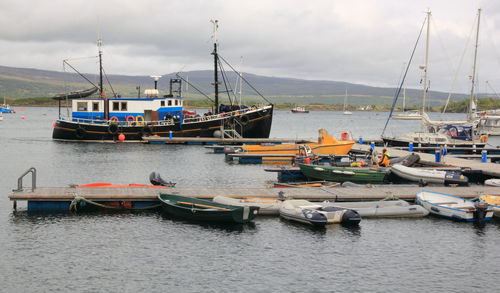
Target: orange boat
[326,145]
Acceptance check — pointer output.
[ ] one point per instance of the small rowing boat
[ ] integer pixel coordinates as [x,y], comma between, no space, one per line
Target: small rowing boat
[314,214]
[453,207]
[492,182]
[204,210]
[338,174]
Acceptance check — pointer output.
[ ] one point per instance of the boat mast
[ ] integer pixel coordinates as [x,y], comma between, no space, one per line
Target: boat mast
[426,65]
[472,107]
[216,71]
[101,88]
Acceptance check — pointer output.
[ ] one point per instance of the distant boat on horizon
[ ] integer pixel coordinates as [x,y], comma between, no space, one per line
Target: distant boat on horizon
[299,110]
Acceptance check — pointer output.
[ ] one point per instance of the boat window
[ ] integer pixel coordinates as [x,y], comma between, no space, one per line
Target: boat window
[124,106]
[162,103]
[170,102]
[81,106]
[116,106]
[177,102]
[95,106]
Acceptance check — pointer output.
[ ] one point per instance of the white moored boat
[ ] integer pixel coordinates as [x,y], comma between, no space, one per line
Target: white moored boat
[454,207]
[492,182]
[268,206]
[429,175]
[383,208]
[314,214]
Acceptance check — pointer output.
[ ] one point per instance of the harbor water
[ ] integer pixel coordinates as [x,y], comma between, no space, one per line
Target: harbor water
[151,252]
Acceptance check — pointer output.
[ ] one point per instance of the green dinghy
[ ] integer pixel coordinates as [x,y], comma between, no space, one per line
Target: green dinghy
[337,174]
[204,210]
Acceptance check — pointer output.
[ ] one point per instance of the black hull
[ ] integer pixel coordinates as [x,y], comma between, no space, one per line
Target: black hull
[399,143]
[255,124]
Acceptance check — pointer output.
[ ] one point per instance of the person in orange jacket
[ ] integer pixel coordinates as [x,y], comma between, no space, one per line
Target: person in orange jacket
[384,159]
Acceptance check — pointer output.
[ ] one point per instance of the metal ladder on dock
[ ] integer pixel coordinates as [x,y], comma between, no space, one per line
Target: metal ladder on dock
[228,129]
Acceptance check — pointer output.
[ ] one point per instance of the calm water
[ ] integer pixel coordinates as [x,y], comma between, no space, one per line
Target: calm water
[149,252]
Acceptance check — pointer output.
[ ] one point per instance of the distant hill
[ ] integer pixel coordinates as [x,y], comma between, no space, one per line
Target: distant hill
[27,82]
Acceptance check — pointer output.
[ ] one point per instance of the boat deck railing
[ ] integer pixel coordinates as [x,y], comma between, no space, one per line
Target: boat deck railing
[222,115]
[166,122]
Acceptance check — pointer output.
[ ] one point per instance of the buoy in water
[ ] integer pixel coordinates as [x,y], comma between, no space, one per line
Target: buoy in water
[23,117]
[121,137]
[54,124]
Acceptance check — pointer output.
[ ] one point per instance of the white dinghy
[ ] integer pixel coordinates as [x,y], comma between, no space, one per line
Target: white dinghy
[383,208]
[429,175]
[314,214]
[268,206]
[492,182]
[454,207]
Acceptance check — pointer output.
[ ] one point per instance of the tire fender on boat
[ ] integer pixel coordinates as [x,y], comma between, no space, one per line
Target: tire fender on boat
[80,132]
[244,120]
[146,131]
[113,128]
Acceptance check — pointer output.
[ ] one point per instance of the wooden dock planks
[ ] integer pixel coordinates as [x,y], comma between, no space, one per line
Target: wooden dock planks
[314,193]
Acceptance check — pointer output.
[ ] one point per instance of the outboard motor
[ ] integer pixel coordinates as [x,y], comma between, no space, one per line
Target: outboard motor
[350,217]
[155,179]
[480,212]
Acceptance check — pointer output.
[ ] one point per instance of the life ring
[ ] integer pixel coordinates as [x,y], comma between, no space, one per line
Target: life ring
[244,120]
[146,131]
[113,128]
[130,118]
[80,133]
[139,119]
[113,119]
[484,138]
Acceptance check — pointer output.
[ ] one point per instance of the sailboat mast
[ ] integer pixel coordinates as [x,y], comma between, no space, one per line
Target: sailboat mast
[426,65]
[216,71]
[472,107]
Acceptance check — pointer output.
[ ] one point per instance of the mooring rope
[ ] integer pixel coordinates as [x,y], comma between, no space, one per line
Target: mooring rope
[77,199]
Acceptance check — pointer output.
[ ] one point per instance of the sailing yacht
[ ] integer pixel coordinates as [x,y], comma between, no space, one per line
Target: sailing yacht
[442,133]
[346,112]
[407,115]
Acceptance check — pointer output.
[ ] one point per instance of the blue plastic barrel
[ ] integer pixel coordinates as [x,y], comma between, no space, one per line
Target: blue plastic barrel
[360,140]
[484,156]
[170,134]
[372,145]
[410,147]
[437,156]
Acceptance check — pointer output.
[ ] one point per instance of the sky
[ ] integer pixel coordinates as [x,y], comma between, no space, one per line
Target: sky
[358,41]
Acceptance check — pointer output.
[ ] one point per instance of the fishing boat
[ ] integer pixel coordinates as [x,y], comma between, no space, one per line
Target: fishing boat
[112,118]
[326,145]
[299,110]
[383,209]
[314,214]
[492,182]
[204,210]
[493,201]
[267,206]
[435,133]
[453,207]
[429,175]
[338,174]
[5,108]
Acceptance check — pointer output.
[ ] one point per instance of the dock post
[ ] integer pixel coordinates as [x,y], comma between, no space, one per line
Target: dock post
[410,147]
[170,134]
[484,156]
[437,156]
[360,141]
